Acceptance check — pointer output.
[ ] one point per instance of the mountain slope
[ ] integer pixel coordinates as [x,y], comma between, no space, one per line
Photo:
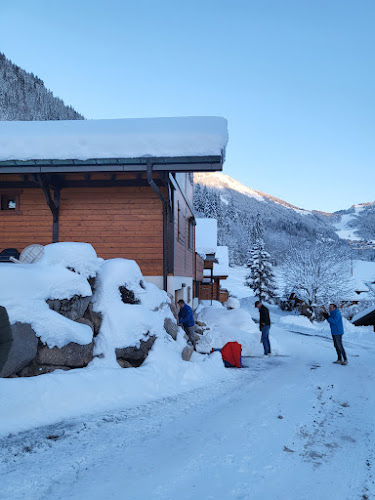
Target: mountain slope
[236,207]
[23,96]
[358,223]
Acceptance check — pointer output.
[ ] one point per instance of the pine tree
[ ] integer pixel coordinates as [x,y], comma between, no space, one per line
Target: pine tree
[257,230]
[260,278]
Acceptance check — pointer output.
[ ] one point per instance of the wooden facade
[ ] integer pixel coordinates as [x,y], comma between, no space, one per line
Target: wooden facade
[125,186]
[184,230]
[120,215]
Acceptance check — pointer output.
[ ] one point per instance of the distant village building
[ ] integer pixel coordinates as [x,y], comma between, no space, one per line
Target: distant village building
[365,318]
[216,262]
[125,186]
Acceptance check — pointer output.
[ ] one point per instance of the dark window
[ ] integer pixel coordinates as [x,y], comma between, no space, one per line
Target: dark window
[191,234]
[10,202]
[180,224]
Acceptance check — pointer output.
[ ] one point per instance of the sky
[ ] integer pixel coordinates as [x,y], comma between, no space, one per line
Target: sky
[294,78]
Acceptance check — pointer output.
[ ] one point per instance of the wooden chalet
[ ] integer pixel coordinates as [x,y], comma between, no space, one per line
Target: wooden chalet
[125,186]
[216,262]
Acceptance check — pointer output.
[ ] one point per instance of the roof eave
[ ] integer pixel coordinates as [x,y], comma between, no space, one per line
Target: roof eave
[169,164]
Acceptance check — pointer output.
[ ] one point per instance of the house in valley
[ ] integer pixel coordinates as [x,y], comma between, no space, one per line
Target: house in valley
[365,317]
[216,262]
[125,186]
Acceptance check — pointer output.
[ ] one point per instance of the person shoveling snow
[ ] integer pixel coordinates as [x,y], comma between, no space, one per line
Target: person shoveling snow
[186,320]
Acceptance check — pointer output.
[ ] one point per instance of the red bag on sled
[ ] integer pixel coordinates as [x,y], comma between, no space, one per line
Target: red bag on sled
[231,354]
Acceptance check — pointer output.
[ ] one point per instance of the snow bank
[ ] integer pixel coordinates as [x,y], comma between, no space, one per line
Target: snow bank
[234,325]
[103,385]
[50,398]
[24,291]
[125,138]
[232,303]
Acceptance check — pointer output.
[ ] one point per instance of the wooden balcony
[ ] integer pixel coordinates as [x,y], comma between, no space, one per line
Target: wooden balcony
[210,291]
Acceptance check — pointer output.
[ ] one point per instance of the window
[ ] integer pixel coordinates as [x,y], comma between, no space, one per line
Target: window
[10,203]
[180,224]
[191,234]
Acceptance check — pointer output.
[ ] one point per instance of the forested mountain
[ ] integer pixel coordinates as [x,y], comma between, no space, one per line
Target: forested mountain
[285,227]
[23,96]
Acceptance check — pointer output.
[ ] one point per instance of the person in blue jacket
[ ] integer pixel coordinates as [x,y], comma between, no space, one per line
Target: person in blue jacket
[186,320]
[337,330]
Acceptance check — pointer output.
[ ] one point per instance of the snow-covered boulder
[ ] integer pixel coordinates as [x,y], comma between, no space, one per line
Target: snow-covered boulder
[117,322]
[29,286]
[134,313]
[71,355]
[73,308]
[135,355]
[50,300]
[78,257]
[24,349]
[171,327]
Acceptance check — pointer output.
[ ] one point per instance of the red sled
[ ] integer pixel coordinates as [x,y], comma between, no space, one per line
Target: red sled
[231,354]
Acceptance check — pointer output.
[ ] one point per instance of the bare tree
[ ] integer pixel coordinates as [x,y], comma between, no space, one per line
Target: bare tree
[318,275]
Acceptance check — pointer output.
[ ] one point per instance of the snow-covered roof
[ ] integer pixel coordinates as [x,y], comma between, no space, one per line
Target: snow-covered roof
[361,315]
[111,139]
[222,267]
[206,236]
[364,271]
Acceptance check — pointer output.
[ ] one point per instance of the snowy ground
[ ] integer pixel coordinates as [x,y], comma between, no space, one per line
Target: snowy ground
[293,426]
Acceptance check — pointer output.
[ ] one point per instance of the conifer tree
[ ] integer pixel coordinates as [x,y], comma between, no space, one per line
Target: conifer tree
[260,278]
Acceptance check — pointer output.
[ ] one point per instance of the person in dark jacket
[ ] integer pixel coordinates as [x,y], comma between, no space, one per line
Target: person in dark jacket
[337,331]
[264,326]
[186,320]
[6,337]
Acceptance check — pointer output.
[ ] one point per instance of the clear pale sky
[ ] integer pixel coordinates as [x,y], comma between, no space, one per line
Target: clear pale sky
[294,78]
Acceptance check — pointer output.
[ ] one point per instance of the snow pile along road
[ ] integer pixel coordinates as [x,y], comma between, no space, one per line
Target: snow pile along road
[132,311]
[232,325]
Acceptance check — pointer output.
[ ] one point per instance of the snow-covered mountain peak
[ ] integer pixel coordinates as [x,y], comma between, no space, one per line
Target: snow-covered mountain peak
[221,181]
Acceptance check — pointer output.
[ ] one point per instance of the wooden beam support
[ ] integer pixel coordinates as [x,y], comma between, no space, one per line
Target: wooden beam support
[52,202]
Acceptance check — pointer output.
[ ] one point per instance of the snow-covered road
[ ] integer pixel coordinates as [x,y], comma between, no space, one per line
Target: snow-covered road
[294,427]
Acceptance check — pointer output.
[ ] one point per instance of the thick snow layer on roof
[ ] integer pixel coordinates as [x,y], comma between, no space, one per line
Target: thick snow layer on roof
[79,256]
[222,267]
[364,313]
[125,138]
[364,271]
[206,236]
[26,287]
